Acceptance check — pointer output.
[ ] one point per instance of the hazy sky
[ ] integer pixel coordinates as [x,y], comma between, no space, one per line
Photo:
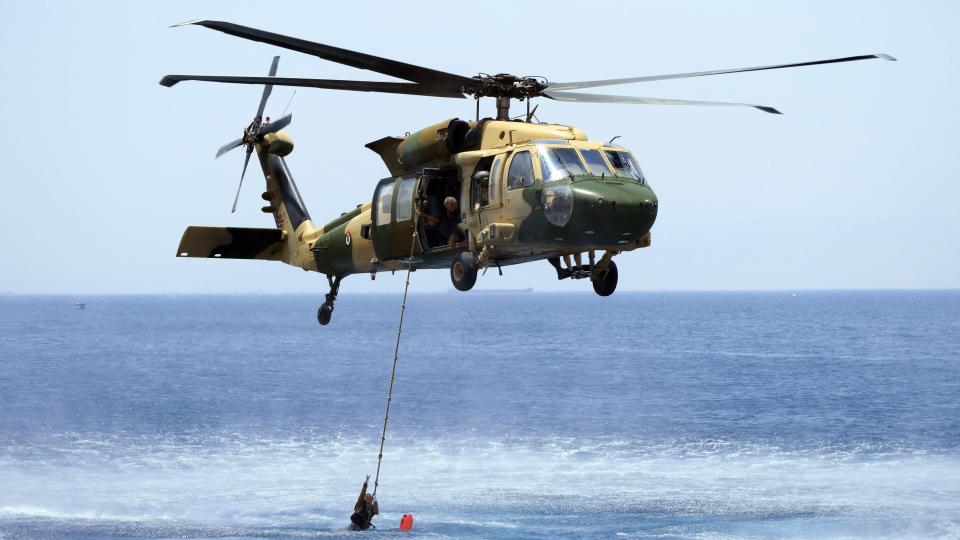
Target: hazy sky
[855,186]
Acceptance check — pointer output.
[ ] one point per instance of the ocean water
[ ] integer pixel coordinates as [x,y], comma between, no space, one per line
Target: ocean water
[643,415]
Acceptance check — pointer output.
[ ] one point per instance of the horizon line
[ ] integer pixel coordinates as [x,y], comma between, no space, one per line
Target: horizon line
[481,291]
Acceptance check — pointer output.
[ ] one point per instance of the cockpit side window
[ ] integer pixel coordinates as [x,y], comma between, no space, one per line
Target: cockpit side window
[480,183]
[521,171]
[384,204]
[624,164]
[556,163]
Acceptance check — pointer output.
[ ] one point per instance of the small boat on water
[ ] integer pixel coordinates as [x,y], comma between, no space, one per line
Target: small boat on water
[79,305]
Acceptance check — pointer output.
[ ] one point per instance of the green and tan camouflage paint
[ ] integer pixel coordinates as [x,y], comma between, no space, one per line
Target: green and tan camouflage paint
[511,230]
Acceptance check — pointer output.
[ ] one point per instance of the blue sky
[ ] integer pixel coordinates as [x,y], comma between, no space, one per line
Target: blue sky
[855,186]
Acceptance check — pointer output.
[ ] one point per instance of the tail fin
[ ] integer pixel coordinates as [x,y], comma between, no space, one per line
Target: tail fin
[289,212]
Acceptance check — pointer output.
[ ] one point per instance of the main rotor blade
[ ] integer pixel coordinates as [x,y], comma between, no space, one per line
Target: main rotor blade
[229,146]
[267,89]
[603,98]
[611,82]
[246,161]
[276,125]
[401,70]
[331,84]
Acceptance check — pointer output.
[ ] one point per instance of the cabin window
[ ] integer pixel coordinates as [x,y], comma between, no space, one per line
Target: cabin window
[384,204]
[624,164]
[595,162]
[557,163]
[405,199]
[521,171]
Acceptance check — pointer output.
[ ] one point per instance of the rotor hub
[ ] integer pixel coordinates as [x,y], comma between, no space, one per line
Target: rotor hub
[505,85]
[252,131]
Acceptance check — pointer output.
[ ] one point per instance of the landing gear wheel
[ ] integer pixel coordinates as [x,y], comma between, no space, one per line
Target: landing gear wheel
[605,282]
[324,313]
[326,308]
[463,272]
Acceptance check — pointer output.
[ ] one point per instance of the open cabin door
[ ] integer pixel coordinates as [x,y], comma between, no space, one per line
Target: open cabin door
[483,198]
[437,230]
[486,190]
[393,217]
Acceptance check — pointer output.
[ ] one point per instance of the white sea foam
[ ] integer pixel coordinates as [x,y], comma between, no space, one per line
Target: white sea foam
[289,483]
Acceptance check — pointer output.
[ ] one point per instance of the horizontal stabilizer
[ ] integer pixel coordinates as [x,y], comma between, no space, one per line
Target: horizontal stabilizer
[231,243]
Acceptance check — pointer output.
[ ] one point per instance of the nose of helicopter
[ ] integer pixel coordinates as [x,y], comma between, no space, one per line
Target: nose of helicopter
[613,212]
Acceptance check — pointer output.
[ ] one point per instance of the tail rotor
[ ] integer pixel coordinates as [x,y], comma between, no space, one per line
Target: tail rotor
[255,132]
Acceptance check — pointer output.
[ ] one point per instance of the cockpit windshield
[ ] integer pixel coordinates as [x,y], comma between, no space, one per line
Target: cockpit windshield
[556,163]
[624,164]
[595,161]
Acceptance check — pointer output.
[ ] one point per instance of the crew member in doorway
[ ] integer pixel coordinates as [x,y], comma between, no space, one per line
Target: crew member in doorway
[450,220]
[443,225]
[364,510]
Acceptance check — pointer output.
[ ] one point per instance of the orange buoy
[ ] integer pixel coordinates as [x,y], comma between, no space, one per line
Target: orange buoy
[406,522]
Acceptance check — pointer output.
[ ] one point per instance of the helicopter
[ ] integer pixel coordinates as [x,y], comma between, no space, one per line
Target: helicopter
[465,195]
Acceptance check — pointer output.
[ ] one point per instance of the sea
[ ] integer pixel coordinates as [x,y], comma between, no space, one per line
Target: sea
[788,414]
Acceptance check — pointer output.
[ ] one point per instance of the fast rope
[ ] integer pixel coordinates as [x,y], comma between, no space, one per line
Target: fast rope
[396,352]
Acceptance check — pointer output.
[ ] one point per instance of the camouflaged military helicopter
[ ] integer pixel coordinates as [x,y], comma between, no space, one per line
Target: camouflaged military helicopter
[524,191]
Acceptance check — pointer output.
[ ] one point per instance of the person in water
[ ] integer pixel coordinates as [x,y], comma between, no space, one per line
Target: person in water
[364,510]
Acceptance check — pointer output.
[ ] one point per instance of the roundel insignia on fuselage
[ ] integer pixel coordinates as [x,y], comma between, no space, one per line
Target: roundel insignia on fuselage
[347,239]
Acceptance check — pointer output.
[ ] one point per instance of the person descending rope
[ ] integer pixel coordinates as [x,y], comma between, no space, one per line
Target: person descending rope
[364,510]
[367,506]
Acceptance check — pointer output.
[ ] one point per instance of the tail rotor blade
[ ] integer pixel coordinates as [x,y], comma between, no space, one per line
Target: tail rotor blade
[229,146]
[246,161]
[267,89]
[276,125]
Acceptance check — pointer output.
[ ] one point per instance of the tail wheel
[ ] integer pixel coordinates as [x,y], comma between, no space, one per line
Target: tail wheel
[605,281]
[324,313]
[463,272]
